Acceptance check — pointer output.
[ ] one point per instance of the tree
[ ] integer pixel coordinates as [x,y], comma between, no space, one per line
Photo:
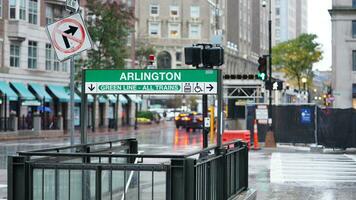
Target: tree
[143,51]
[109,25]
[296,57]
[192,101]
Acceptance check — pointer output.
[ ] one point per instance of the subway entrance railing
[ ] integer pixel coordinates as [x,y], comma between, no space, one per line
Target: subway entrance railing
[117,170]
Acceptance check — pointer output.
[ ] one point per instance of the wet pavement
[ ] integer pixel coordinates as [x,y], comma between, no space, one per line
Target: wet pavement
[158,139]
[296,174]
[291,173]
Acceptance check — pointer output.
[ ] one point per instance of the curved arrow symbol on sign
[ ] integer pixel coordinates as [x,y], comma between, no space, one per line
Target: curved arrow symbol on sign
[72,30]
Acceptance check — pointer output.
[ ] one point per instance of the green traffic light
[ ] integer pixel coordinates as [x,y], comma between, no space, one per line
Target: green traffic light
[262,76]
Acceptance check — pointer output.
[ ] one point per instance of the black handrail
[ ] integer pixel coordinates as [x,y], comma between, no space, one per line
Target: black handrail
[75,146]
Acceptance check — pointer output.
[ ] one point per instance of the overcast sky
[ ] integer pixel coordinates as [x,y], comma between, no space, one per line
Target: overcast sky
[319,23]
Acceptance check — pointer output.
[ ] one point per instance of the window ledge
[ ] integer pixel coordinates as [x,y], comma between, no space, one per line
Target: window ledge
[350,40]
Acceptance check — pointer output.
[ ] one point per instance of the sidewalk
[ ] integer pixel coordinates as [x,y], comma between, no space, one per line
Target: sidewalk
[47,134]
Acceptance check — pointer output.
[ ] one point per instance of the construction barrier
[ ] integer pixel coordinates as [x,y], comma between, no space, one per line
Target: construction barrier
[232,135]
[256,145]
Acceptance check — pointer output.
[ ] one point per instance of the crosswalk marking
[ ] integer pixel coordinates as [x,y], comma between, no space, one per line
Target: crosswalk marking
[293,167]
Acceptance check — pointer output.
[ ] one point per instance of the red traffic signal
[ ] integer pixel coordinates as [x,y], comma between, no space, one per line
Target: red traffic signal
[262,68]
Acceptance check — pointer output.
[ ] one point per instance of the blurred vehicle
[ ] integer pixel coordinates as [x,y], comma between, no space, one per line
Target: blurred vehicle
[181,120]
[189,121]
[172,113]
[195,122]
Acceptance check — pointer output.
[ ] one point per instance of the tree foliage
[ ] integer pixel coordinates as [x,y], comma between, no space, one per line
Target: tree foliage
[143,50]
[296,57]
[109,25]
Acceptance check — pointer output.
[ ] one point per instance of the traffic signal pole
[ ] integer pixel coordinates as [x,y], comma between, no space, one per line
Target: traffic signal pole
[270,123]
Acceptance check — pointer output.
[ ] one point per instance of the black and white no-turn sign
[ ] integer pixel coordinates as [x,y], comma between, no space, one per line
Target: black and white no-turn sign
[69,36]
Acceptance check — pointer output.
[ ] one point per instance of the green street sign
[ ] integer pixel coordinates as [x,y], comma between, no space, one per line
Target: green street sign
[175,81]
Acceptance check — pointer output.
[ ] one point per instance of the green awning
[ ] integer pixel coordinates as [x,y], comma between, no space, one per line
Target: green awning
[41,92]
[122,99]
[76,96]
[135,98]
[6,90]
[23,91]
[102,99]
[62,93]
[89,96]
[112,98]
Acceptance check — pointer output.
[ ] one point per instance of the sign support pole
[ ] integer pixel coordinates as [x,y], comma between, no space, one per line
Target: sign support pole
[83,113]
[205,115]
[71,104]
[220,97]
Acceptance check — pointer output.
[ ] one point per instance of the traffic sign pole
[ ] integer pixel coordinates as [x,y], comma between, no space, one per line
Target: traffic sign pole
[83,114]
[71,128]
[220,97]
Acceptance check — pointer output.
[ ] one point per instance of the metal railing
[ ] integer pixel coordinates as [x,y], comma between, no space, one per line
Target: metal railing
[116,170]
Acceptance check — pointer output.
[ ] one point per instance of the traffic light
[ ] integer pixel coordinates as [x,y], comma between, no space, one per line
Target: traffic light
[262,68]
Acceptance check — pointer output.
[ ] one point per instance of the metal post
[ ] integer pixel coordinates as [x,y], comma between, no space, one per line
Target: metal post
[205,115]
[83,114]
[116,112]
[220,97]
[5,113]
[71,102]
[270,67]
[316,124]
[136,108]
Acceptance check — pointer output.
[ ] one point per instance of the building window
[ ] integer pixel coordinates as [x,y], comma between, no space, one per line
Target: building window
[354,3]
[14,55]
[154,29]
[32,11]
[154,10]
[55,65]
[179,56]
[278,11]
[194,11]
[12,9]
[354,60]
[49,14]
[64,66]
[32,54]
[22,9]
[174,30]
[278,22]
[49,57]
[174,11]
[354,28]
[194,31]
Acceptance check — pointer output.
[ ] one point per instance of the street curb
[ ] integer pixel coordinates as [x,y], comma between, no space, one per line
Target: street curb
[250,194]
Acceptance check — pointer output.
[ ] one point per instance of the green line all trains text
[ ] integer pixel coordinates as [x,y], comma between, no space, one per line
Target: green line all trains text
[139,88]
[147,76]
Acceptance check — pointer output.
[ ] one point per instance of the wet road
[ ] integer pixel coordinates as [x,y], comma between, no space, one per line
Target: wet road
[296,174]
[160,139]
[284,173]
